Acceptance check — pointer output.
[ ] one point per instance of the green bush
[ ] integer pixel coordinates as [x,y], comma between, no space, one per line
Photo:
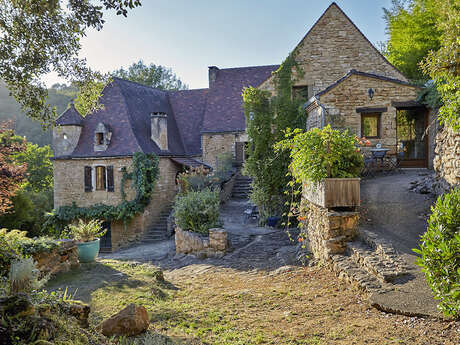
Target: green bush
[86,231]
[197,211]
[440,252]
[322,153]
[14,245]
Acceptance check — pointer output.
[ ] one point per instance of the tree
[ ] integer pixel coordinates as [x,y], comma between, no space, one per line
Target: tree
[11,174]
[267,118]
[39,167]
[158,77]
[40,36]
[413,33]
[443,65]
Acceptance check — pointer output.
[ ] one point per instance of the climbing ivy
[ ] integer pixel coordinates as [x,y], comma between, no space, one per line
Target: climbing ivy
[267,118]
[144,174]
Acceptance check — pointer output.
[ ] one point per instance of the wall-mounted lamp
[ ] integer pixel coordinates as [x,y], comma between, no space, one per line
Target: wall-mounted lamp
[370,93]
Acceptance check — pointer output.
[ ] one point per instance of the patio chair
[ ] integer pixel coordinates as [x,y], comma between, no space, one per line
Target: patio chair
[369,165]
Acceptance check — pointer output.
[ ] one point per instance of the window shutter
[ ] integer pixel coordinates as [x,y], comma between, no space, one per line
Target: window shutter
[88,179]
[110,187]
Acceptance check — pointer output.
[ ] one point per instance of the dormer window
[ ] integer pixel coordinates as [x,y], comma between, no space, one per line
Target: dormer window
[102,137]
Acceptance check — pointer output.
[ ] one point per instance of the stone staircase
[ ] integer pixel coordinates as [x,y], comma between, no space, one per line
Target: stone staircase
[371,264]
[242,187]
[159,230]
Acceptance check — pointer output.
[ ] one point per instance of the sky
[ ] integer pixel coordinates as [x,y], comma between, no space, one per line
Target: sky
[190,35]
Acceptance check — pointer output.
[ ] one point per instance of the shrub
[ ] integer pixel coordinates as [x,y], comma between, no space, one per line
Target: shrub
[197,211]
[24,276]
[439,250]
[322,153]
[14,245]
[86,231]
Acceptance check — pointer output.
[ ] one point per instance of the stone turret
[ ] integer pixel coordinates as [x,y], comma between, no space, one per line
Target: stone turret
[159,129]
[67,132]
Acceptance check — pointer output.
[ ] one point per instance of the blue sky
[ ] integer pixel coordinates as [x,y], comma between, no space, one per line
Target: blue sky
[190,35]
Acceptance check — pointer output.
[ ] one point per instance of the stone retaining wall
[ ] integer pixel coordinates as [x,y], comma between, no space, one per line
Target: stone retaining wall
[60,260]
[188,242]
[227,188]
[447,160]
[328,230]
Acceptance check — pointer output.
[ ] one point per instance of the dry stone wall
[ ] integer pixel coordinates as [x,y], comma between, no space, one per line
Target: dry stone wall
[447,160]
[60,260]
[192,243]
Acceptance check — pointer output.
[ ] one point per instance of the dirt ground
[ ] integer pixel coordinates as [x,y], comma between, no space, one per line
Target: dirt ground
[204,304]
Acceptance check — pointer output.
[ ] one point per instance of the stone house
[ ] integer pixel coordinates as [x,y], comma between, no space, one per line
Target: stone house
[347,82]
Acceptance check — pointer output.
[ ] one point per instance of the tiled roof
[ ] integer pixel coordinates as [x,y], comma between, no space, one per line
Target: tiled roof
[188,107]
[71,117]
[224,108]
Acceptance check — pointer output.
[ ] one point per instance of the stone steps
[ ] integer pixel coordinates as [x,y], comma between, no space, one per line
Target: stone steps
[158,231]
[370,263]
[242,187]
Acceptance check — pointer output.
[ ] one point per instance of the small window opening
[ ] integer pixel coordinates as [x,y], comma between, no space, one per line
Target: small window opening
[370,125]
[300,92]
[100,138]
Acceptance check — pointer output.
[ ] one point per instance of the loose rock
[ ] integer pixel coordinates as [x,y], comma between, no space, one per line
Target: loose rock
[130,321]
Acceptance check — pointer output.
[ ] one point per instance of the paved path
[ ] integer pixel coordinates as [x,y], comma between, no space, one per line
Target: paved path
[398,215]
[253,247]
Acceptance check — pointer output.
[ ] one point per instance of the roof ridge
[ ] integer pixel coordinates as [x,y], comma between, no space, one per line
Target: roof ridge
[139,84]
[356,27]
[366,74]
[247,67]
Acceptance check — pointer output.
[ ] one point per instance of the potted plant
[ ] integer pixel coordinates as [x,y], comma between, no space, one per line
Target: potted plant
[87,235]
[327,163]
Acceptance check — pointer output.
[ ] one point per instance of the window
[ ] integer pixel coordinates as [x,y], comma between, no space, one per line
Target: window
[100,178]
[370,125]
[300,91]
[100,138]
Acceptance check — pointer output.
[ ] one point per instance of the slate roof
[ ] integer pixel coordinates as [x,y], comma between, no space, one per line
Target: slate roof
[224,109]
[128,105]
[70,117]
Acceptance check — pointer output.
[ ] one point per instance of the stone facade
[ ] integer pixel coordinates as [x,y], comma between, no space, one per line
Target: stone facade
[332,47]
[69,188]
[342,101]
[215,144]
[192,243]
[327,230]
[447,159]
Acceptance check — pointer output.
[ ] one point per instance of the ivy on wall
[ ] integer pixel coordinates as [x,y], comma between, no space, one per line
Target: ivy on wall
[143,176]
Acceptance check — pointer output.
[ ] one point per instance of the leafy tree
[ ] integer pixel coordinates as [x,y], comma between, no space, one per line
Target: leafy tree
[158,77]
[267,117]
[11,174]
[413,33]
[39,167]
[38,37]
[443,65]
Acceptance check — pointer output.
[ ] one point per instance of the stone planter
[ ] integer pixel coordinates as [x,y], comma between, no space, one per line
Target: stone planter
[88,251]
[214,245]
[333,192]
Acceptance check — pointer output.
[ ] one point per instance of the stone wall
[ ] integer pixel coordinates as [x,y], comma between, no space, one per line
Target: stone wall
[447,160]
[227,189]
[192,243]
[214,144]
[69,187]
[341,103]
[327,230]
[59,260]
[334,46]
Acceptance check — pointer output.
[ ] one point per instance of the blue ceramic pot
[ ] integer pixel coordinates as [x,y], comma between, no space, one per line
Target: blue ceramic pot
[272,221]
[88,251]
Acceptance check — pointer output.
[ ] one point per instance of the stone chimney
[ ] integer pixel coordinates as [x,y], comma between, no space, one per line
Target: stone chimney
[212,73]
[159,130]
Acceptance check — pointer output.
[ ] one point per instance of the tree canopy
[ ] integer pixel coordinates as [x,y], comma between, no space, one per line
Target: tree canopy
[40,36]
[156,76]
[413,33]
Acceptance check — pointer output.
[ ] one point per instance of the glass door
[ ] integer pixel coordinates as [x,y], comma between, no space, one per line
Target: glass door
[412,140]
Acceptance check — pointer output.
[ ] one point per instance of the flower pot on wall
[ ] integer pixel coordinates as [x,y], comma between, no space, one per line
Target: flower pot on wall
[88,251]
[333,192]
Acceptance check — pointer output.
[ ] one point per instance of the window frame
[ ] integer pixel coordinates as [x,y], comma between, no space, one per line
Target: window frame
[378,116]
[99,138]
[296,91]
[104,176]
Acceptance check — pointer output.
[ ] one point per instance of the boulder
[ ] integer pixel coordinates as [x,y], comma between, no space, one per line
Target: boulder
[18,305]
[81,312]
[130,321]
